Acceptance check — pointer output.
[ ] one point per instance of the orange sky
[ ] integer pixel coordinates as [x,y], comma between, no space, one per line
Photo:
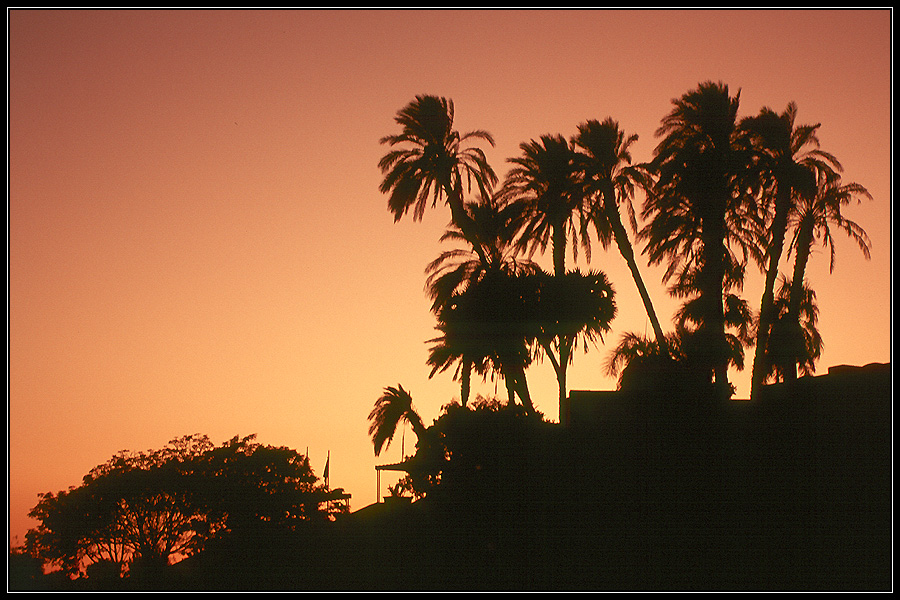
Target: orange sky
[198,244]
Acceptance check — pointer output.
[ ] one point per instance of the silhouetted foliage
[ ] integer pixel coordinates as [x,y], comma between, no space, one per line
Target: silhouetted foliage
[546,186]
[701,203]
[603,161]
[544,183]
[642,367]
[140,511]
[392,407]
[24,570]
[487,322]
[470,448]
[812,223]
[793,343]
[653,488]
[788,158]
[431,160]
[457,269]
[698,343]
[503,319]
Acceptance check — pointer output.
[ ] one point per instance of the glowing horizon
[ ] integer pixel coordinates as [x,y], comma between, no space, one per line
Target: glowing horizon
[198,244]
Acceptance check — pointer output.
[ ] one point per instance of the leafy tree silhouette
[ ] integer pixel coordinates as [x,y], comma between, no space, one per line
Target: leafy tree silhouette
[132,509]
[479,450]
[141,511]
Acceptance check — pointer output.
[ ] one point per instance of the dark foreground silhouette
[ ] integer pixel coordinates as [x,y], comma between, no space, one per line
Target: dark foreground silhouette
[790,492]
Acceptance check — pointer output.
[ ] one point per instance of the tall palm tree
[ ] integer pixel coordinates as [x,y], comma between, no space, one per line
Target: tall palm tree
[604,158]
[812,223]
[698,208]
[392,407]
[430,160]
[457,268]
[544,184]
[788,157]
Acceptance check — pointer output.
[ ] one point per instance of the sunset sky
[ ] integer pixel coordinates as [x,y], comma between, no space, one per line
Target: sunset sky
[197,243]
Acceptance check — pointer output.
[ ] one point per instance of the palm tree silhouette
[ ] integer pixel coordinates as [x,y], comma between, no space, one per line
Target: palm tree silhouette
[699,206]
[452,348]
[499,320]
[604,159]
[392,407]
[738,320]
[544,184]
[632,347]
[639,363]
[431,160]
[576,307]
[495,226]
[487,326]
[812,223]
[788,158]
[795,342]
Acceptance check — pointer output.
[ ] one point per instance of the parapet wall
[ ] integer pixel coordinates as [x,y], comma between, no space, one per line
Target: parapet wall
[845,392]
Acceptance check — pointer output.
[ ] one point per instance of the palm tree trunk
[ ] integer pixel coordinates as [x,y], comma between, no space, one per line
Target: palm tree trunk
[462,220]
[564,346]
[559,249]
[418,426]
[558,364]
[521,387]
[517,385]
[466,385]
[804,247]
[627,252]
[565,351]
[712,286]
[510,390]
[767,304]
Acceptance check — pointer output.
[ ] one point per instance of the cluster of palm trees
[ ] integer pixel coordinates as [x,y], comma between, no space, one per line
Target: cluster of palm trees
[720,191]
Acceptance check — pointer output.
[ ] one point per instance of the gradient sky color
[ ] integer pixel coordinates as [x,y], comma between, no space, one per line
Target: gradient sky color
[197,243]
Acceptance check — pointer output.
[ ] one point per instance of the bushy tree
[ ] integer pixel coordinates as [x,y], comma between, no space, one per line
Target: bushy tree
[483,449]
[144,510]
